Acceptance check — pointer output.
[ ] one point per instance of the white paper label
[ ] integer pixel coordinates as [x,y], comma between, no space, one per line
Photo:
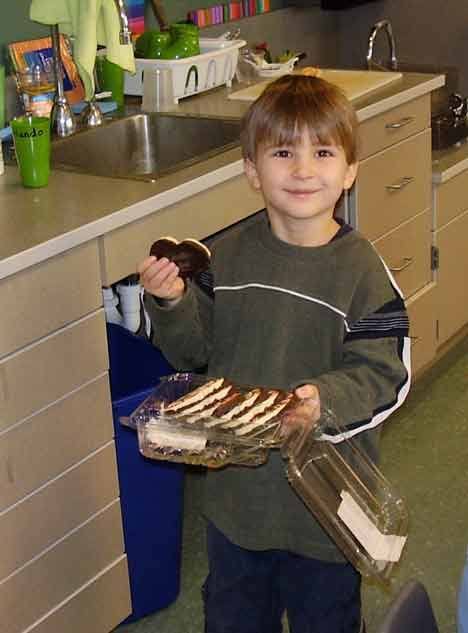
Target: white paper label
[380,546]
[176,440]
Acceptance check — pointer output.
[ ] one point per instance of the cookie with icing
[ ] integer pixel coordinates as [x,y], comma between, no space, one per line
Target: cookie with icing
[191,256]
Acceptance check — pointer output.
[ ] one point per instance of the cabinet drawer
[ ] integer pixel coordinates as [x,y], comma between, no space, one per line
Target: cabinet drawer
[49,369]
[393,186]
[98,608]
[452,305]
[406,251]
[45,582]
[198,217]
[393,126]
[421,311]
[451,199]
[45,297]
[45,516]
[44,445]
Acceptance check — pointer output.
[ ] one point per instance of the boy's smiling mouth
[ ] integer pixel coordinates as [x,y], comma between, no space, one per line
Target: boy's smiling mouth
[302,192]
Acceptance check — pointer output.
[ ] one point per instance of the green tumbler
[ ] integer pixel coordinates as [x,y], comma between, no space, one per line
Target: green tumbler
[110,77]
[32,146]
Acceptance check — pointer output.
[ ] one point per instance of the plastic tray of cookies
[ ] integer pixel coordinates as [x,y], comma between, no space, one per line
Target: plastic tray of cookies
[209,421]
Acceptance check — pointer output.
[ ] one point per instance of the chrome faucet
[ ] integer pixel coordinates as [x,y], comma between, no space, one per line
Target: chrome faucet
[378,26]
[62,117]
[125,35]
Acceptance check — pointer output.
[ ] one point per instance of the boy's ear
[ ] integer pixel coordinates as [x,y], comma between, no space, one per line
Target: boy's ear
[251,173]
[350,175]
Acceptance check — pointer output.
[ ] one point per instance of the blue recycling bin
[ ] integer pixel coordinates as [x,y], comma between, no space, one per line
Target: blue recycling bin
[151,492]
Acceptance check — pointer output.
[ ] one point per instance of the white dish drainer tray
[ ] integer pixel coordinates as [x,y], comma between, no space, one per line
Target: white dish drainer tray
[215,66]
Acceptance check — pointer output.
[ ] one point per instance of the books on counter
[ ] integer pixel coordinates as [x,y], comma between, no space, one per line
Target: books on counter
[220,13]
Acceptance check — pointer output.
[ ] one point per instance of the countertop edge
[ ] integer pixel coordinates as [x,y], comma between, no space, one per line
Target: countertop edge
[441,175]
[387,103]
[57,245]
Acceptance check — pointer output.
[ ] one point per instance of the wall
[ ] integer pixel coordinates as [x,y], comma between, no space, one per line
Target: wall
[306,30]
[18,26]
[432,32]
[427,31]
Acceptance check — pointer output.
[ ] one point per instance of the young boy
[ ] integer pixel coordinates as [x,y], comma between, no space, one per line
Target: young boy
[299,301]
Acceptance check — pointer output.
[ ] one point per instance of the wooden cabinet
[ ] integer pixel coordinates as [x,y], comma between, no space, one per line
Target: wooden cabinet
[421,310]
[199,216]
[450,237]
[393,126]
[60,513]
[407,253]
[59,494]
[394,185]
[391,205]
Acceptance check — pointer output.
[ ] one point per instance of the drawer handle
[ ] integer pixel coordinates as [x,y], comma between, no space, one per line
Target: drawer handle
[407,261]
[399,124]
[414,340]
[398,186]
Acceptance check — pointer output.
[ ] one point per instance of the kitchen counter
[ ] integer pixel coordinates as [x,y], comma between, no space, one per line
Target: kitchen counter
[447,163]
[74,208]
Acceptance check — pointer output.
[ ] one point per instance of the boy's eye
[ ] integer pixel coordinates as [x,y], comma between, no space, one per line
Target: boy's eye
[282,153]
[324,152]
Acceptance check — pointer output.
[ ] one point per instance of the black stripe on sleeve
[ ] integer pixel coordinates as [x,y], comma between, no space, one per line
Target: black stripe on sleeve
[205,281]
[390,320]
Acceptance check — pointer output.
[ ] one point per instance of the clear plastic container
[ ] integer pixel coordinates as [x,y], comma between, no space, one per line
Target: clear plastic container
[207,441]
[352,500]
[341,486]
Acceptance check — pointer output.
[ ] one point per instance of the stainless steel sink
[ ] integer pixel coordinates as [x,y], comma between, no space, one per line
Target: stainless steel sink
[144,146]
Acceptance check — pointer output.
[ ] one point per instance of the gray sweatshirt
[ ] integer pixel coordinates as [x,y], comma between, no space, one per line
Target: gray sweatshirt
[276,315]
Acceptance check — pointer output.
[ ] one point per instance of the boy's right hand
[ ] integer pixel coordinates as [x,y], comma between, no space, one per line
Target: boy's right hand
[160,277]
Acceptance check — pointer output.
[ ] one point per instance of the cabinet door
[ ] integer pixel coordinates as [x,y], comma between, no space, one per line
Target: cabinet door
[54,577]
[406,251]
[421,311]
[98,607]
[45,371]
[451,199]
[51,441]
[393,186]
[198,217]
[452,305]
[58,508]
[48,296]
[394,126]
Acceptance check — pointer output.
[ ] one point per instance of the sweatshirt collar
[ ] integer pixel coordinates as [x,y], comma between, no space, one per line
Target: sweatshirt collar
[273,243]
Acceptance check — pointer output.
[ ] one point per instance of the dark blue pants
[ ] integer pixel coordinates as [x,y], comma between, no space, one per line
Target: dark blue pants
[248,591]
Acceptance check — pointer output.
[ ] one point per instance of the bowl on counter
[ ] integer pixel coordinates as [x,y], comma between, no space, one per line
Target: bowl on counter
[276,69]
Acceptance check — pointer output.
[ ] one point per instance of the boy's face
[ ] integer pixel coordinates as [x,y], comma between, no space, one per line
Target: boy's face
[301,183]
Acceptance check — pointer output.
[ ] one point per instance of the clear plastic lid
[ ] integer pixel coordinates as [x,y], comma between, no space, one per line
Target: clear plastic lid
[351,499]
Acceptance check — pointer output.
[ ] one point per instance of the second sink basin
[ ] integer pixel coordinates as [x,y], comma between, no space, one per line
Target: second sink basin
[144,146]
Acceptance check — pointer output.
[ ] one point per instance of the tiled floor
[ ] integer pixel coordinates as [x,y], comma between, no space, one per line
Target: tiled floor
[425,455]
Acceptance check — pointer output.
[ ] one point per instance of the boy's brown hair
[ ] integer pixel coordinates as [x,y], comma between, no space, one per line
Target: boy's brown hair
[294,103]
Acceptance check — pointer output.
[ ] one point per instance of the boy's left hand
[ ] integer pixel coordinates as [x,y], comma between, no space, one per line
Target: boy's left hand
[302,418]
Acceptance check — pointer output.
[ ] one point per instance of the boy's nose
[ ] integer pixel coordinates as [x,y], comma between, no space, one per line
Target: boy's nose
[304,168]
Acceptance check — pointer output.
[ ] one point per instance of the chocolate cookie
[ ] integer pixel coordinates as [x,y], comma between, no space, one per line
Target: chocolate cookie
[191,256]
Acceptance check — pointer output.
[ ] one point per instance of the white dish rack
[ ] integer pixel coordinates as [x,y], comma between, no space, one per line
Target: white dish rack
[215,66]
